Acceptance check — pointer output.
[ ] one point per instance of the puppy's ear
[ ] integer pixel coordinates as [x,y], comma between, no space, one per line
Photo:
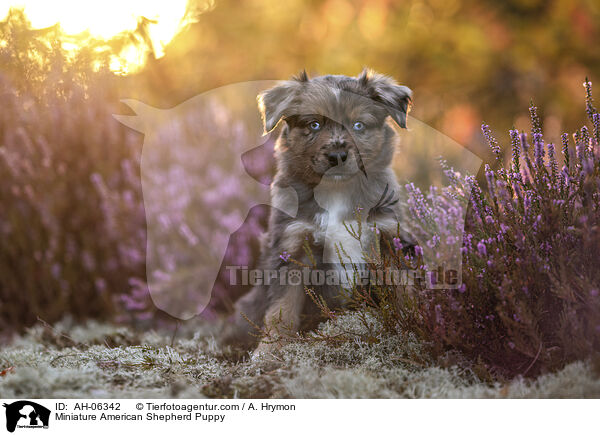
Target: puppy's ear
[383,89]
[275,103]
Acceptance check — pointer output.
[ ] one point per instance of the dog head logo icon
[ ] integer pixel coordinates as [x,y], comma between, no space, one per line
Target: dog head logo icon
[26,414]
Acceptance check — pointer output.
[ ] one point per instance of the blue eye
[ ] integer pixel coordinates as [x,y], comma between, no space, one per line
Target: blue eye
[358,126]
[315,126]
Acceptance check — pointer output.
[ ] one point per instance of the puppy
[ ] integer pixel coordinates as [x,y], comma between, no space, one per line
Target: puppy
[335,150]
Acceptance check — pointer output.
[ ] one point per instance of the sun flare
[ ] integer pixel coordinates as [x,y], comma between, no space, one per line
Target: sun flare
[104,20]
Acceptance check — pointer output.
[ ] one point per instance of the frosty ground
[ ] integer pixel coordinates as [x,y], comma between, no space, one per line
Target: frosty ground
[103,361]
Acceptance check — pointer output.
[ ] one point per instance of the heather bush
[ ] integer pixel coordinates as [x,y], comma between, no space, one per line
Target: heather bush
[72,218]
[529,301]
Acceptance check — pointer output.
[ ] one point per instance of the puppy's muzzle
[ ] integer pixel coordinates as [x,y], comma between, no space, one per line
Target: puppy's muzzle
[337,158]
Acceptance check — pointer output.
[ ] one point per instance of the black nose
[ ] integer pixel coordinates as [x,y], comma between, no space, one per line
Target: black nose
[335,157]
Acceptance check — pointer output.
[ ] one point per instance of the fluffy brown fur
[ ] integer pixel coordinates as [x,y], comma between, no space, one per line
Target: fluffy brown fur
[335,149]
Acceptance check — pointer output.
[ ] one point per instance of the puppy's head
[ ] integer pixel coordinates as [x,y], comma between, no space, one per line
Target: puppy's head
[335,126]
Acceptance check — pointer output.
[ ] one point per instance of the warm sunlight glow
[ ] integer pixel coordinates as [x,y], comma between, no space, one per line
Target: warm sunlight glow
[107,18]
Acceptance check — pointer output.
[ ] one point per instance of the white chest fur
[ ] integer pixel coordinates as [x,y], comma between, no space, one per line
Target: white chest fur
[337,227]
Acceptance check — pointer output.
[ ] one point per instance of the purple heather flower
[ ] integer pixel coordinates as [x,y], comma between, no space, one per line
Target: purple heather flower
[524,144]
[397,243]
[565,148]
[596,124]
[491,140]
[589,102]
[511,345]
[580,145]
[535,120]
[476,200]
[527,203]
[489,175]
[468,239]
[524,174]
[553,162]
[417,204]
[481,248]
[100,285]
[418,250]
[516,151]
[285,256]
[449,172]
[516,186]
[462,288]
[547,247]
[588,165]
[538,150]
[56,270]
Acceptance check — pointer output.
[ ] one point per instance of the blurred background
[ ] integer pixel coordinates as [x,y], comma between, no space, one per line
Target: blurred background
[72,221]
